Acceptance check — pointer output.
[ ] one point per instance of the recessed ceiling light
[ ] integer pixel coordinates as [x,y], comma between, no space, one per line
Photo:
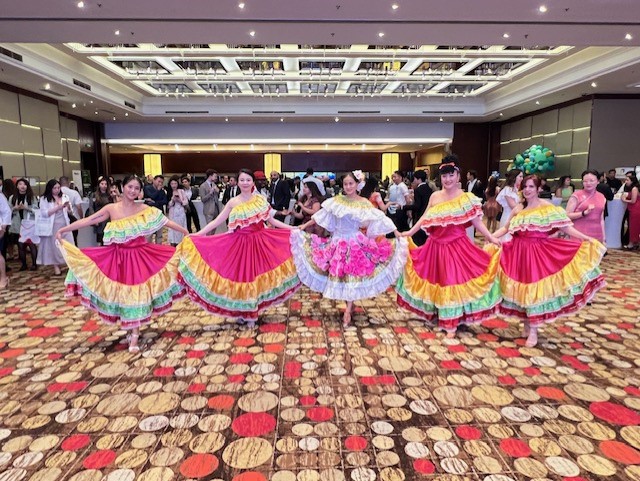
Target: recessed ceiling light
[542,9]
[281,119]
[501,114]
[96,112]
[537,102]
[337,119]
[441,119]
[47,86]
[172,119]
[80,4]
[505,35]
[241,5]
[380,34]
[73,106]
[252,33]
[126,114]
[388,120]
[117,32]
[628,37]
[114,118]
[395,6]
[226,119]
[594,84]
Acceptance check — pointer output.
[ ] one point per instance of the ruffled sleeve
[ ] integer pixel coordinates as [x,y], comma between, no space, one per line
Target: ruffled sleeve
[141,224]
[360,210]
[458,211]
[250,212]
[545,218]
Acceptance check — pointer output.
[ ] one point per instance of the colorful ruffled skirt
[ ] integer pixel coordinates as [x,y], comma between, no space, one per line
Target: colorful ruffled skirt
[348,269]
[542,278]
[450,280]
[124,283]
[240,273]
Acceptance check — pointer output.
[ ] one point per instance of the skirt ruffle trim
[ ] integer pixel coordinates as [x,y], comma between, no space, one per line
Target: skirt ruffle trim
[130,306]
[559,294]
[471,302]
[224,297]
[348,288]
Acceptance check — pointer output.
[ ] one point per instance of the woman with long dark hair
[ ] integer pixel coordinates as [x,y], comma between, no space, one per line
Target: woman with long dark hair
[53,203]
[350,265]
[631,197]
[22,204]
[509,195]
[586,207]
[491,208]
[128,279]
[564,190]
[176,208]
[449,279]
[245,270]
[100,198]
[370,191]
[543,277]
[308,205]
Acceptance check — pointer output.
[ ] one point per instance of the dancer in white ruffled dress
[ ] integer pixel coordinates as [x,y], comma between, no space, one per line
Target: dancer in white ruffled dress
[357,261]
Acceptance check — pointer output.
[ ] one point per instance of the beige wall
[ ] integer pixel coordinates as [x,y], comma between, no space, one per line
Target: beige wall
[566,131]
[35,141]
[430,157]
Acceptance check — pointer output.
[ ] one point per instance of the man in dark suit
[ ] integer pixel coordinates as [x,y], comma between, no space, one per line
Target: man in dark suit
[421,195]
[279,195]
[231,191]
[474,185]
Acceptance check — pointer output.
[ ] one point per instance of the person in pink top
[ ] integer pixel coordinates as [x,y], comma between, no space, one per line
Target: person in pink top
[586,207]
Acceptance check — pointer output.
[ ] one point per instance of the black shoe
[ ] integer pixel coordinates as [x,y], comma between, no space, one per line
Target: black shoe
[23,267]
[34,268]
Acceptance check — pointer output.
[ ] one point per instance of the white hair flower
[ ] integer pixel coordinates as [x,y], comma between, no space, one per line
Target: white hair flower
[358,175]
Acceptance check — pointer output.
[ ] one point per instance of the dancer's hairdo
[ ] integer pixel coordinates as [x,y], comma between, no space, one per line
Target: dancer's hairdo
[131,177]
[449,165]
[248,172]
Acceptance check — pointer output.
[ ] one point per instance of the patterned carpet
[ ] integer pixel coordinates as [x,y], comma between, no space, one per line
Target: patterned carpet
[299,398]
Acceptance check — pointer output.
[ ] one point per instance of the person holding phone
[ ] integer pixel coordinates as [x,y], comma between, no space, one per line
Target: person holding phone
[54,203]
[176,208]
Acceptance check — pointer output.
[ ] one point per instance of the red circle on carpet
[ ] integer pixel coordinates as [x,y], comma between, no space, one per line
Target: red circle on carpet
[76,442]
[615,413]
[99,459]
[355,443]
[424,466]
[9,353]
[221,402]
[515,448]
[551,393]
[320,414]
[253,424]
[508,352]
[308,401]
[468,432]
[250,476]
[199,465]
[44,332]
[242,358]
[163,372]
[620,452]
[495,324]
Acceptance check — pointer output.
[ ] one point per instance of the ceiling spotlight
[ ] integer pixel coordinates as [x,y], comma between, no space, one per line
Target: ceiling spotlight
[96,112]
[80,4]
[90,101]
[388,120]
[114,118]
[380,34]
[126,114]
[172,119]
[505,35]
[501,114]
[252,33]
[594,84]
[117,32]
[542,9]
[73,106]
[395,6]
[537,102]
[241,5]
[281,119]
[337,119]
[47,86]
[441,119]
[628,36]
[226,119]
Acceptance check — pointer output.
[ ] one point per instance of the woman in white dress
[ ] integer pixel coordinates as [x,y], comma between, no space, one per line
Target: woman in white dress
[509,197]
[177,209]
[53,203]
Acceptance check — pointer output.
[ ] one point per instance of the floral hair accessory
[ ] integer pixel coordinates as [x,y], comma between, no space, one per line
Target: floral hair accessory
[358,175]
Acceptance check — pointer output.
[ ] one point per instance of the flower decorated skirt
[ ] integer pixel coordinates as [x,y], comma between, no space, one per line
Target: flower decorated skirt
[238,274]
[451,280]
[348,268]
[542,278]
[124,283]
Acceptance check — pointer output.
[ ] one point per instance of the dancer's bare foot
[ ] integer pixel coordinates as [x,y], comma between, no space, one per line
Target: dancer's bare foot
[133,343]
[346,318]
[532,338]
[526,329]
[451,334]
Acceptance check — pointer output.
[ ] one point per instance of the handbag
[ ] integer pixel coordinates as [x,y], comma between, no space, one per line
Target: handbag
[44,224]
